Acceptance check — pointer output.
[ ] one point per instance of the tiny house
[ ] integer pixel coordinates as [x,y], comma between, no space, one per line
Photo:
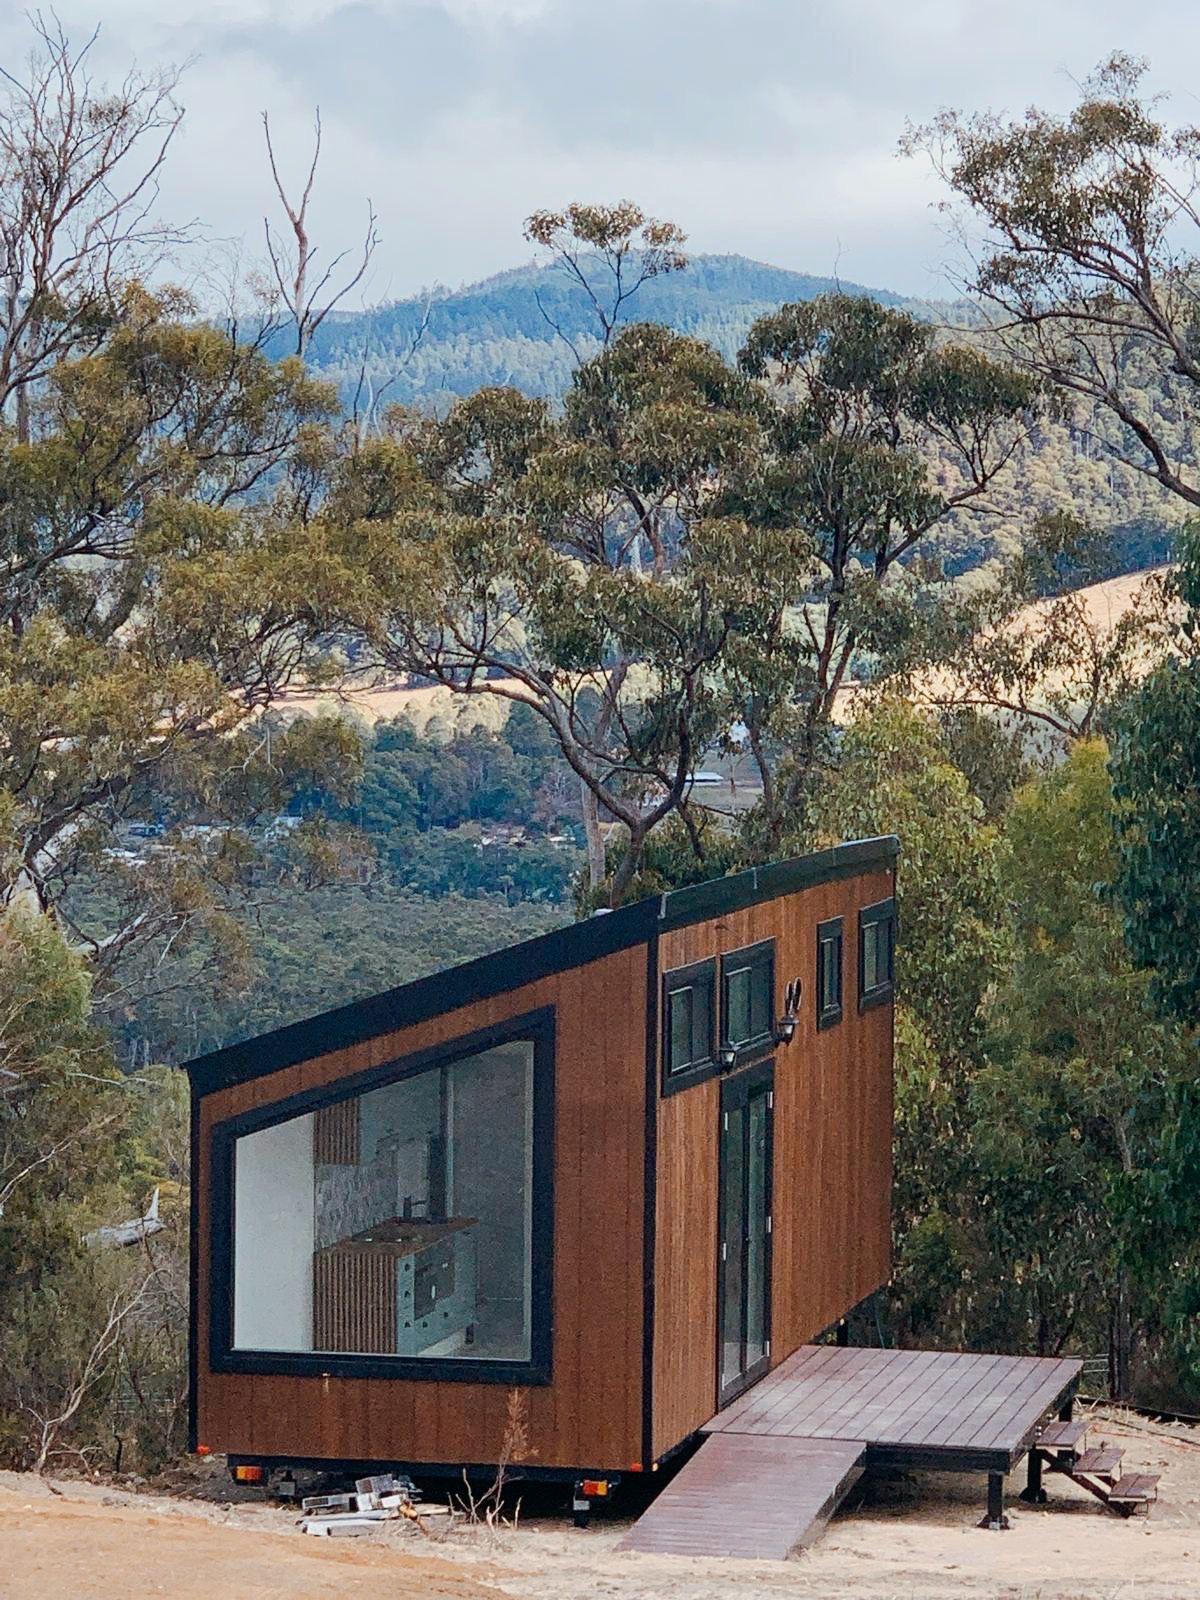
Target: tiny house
[567,1200]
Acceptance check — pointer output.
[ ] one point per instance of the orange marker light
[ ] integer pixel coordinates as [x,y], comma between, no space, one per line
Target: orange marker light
[203,1450]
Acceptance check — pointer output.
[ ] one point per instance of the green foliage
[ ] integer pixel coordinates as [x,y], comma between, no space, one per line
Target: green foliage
[1156,774]
[80,1146]
[894,774]
[325,947]
[1045,1117]
[1082,1072]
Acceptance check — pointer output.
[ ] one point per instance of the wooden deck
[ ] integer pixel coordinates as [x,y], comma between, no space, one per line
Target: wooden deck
[955,1411]
[778,1461]
[749,1495]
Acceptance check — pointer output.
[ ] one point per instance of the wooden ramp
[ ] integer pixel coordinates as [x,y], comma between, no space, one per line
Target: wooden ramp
[749,1495]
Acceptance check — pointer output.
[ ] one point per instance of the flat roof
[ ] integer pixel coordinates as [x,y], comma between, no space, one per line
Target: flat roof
[513,966]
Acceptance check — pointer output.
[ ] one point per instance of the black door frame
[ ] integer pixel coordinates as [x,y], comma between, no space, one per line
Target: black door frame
[737,1090]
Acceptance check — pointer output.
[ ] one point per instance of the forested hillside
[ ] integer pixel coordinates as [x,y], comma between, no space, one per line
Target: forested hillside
[514,328]
[530,328]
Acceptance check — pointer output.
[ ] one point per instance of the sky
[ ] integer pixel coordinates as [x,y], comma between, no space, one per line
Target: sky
[763,127]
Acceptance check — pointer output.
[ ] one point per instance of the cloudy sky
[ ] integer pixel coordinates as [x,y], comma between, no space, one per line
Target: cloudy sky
[767,127]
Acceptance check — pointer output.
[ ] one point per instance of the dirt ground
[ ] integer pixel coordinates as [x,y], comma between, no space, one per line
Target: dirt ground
[905,1539]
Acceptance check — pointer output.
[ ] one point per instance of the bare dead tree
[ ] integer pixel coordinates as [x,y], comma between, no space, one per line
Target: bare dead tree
[365,409]
[308,302]
[79,168]
[50,1423]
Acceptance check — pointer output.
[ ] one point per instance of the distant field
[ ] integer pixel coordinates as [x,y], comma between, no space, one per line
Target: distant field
[421,706]
[1105,604]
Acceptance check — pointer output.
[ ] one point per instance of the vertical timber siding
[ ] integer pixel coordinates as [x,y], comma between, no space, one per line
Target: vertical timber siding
[590,1414]
[831,1209]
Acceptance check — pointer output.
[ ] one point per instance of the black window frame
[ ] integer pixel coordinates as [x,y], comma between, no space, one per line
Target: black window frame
[882,913]
[536,1028]
[831,936]
[754,958]
[703,1066]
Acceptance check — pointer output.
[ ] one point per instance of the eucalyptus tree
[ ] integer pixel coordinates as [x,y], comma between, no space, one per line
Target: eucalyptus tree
[1087,265]
[501,560]
[874,434]
[79,169]
[686,546]
[1091,266]
[155,472]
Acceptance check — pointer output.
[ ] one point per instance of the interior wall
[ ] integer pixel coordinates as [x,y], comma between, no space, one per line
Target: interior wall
[273,1237]
[491,1120]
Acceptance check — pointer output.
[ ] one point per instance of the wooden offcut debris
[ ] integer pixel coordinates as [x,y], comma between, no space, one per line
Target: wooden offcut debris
[375,1500]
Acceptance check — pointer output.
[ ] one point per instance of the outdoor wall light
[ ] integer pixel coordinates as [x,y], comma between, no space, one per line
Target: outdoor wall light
[785,1026]
[729,1056]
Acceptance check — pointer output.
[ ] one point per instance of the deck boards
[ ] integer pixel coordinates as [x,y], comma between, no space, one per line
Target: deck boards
[749,1495]
[778,1460]
[921,1401]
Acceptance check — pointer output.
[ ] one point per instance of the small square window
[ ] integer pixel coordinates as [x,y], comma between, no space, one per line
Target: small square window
[688,1016]
[829,972]
[748,998]
[876,953]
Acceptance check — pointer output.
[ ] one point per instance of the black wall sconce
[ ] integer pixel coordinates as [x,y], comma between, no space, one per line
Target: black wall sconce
[785,1026]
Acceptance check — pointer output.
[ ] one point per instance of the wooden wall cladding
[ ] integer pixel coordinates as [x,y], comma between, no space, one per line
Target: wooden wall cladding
[591,1412]
[335,1133]
[685,1300]
[354,1300]
[832,1168]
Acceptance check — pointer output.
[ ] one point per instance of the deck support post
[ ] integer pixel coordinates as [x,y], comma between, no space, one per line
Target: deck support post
[995,1521]
[1066,1411]
[1033,1491]
[842,1336]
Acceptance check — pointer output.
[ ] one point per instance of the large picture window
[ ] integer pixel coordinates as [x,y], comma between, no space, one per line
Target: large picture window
[405,1224]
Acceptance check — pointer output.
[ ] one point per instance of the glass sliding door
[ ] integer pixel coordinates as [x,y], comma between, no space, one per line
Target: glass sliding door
[733,1252]
[744,1267]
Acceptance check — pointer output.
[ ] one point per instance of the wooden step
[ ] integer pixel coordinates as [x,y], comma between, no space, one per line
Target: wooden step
[1100,1462]
[1135,1487]
[1062,1435]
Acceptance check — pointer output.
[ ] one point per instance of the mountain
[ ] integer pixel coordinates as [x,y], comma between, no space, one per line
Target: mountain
[503,331]
[500,331]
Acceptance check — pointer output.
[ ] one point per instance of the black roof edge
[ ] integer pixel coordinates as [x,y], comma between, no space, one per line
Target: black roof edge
[513,966]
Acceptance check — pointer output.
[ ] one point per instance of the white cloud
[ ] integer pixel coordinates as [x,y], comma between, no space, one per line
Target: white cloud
[763,126]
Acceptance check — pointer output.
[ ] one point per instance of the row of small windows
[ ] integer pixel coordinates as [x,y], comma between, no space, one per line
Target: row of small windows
[697,1031]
